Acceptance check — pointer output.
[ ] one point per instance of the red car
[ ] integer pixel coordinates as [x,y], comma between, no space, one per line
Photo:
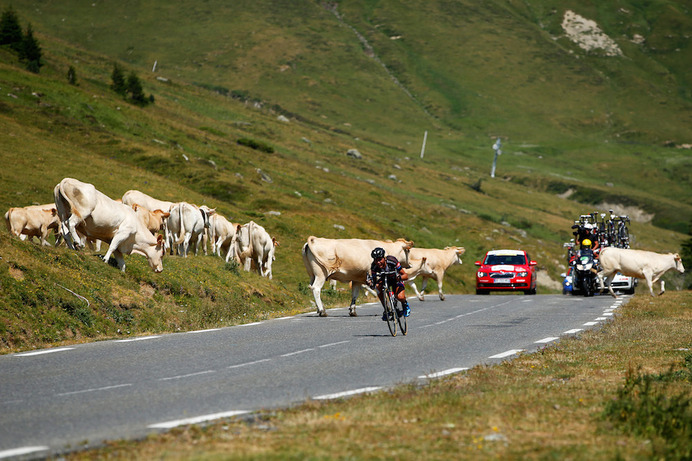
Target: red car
[506,270]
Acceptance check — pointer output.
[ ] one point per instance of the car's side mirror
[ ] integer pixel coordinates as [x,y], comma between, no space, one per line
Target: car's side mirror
[477,263]
[533,263]
[563,275]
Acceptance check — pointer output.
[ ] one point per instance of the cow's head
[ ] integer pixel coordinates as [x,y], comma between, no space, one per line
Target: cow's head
[406,246]
[678,263]
[458,251]
[154,253]
[206,214]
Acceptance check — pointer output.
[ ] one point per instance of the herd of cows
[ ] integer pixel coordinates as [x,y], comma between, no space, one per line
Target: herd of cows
[82,215]
[140,224]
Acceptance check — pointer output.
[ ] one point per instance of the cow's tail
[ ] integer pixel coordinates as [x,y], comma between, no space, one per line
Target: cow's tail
[330,267]
[8,220]
[65,210]
[181,222]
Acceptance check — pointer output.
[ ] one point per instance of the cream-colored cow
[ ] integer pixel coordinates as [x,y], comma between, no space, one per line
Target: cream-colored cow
[641,264]
[438,262]
[33,221]
[345,260]
[83,208]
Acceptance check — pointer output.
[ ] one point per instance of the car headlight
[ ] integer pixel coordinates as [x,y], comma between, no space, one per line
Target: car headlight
[482,274]
[522,274]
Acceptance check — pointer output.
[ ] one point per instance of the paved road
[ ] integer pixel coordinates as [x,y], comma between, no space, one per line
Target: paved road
[60,399]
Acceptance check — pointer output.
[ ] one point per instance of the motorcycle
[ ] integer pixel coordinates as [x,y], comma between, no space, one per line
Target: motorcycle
[584,278]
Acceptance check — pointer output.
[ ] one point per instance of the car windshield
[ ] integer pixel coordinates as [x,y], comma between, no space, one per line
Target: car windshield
[494,260]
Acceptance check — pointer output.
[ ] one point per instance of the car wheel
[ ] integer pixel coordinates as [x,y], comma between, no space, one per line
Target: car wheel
[482,292]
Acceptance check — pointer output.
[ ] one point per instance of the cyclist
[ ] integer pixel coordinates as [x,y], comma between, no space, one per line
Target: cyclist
[381,264]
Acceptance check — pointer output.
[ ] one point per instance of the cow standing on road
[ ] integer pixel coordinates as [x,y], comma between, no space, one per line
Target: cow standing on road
[345,260]
[438,261]
[636,263]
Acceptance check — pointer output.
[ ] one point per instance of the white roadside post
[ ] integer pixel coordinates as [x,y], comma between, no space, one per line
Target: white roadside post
[496,147]
[425,138]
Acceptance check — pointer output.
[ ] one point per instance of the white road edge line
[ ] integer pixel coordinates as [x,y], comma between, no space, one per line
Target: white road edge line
[20,451]
[196,420]
[46,351]
[590,324]
[347,393]
[549,339]
[508,353]
[106,388]
[442,373]
[249,324]
[573,331]
[143,338]
[202,331]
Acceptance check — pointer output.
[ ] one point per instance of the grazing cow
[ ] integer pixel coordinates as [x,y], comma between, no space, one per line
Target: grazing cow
[84,209]
[222,234]
[263,249]
[132,197]
[34,221]
[439,261]
[253,244]
[152,220]
[345,260]
[637,263]
[186,224]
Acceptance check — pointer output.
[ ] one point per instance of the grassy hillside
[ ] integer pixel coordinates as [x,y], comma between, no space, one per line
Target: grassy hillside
[606,128]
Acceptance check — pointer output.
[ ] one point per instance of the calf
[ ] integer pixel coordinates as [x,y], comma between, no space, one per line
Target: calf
[34,221]
[438,262]
[636,263]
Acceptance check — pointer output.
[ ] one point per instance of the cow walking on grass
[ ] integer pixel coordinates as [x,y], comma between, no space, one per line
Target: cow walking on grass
[641,264]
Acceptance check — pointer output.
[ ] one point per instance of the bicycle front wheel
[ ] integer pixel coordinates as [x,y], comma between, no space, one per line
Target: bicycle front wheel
[391,313]
[403,324]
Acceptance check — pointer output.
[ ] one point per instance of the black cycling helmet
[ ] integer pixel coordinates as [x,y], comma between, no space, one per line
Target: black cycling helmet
[377,253]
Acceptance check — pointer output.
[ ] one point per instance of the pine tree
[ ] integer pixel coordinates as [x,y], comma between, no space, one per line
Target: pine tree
[10,30]
[134,86]
[72,75]
[31,51]
[119,84]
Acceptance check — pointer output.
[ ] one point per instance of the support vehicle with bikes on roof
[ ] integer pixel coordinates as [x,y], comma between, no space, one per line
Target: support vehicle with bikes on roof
[590,236]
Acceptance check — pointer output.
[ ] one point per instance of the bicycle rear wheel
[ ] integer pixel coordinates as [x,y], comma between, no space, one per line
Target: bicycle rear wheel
[391,313]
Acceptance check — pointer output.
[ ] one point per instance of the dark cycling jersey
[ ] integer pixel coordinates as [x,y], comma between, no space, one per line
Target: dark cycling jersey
[392,265]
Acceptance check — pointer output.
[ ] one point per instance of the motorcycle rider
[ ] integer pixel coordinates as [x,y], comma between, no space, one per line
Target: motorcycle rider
[381,264]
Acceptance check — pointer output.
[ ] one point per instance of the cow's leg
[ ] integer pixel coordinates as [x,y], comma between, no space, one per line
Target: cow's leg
[439,287]
[113,250]
[355,291]
[44,234]
[608,282]
[649,282]
[119,260]
[412,284]
[69,232]
[663,288]
[316,285]
[423,285]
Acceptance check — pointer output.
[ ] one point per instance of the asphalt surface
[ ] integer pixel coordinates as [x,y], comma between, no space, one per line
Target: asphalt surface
[62,399]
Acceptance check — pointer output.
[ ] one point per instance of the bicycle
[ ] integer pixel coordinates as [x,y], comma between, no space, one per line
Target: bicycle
[389,302]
